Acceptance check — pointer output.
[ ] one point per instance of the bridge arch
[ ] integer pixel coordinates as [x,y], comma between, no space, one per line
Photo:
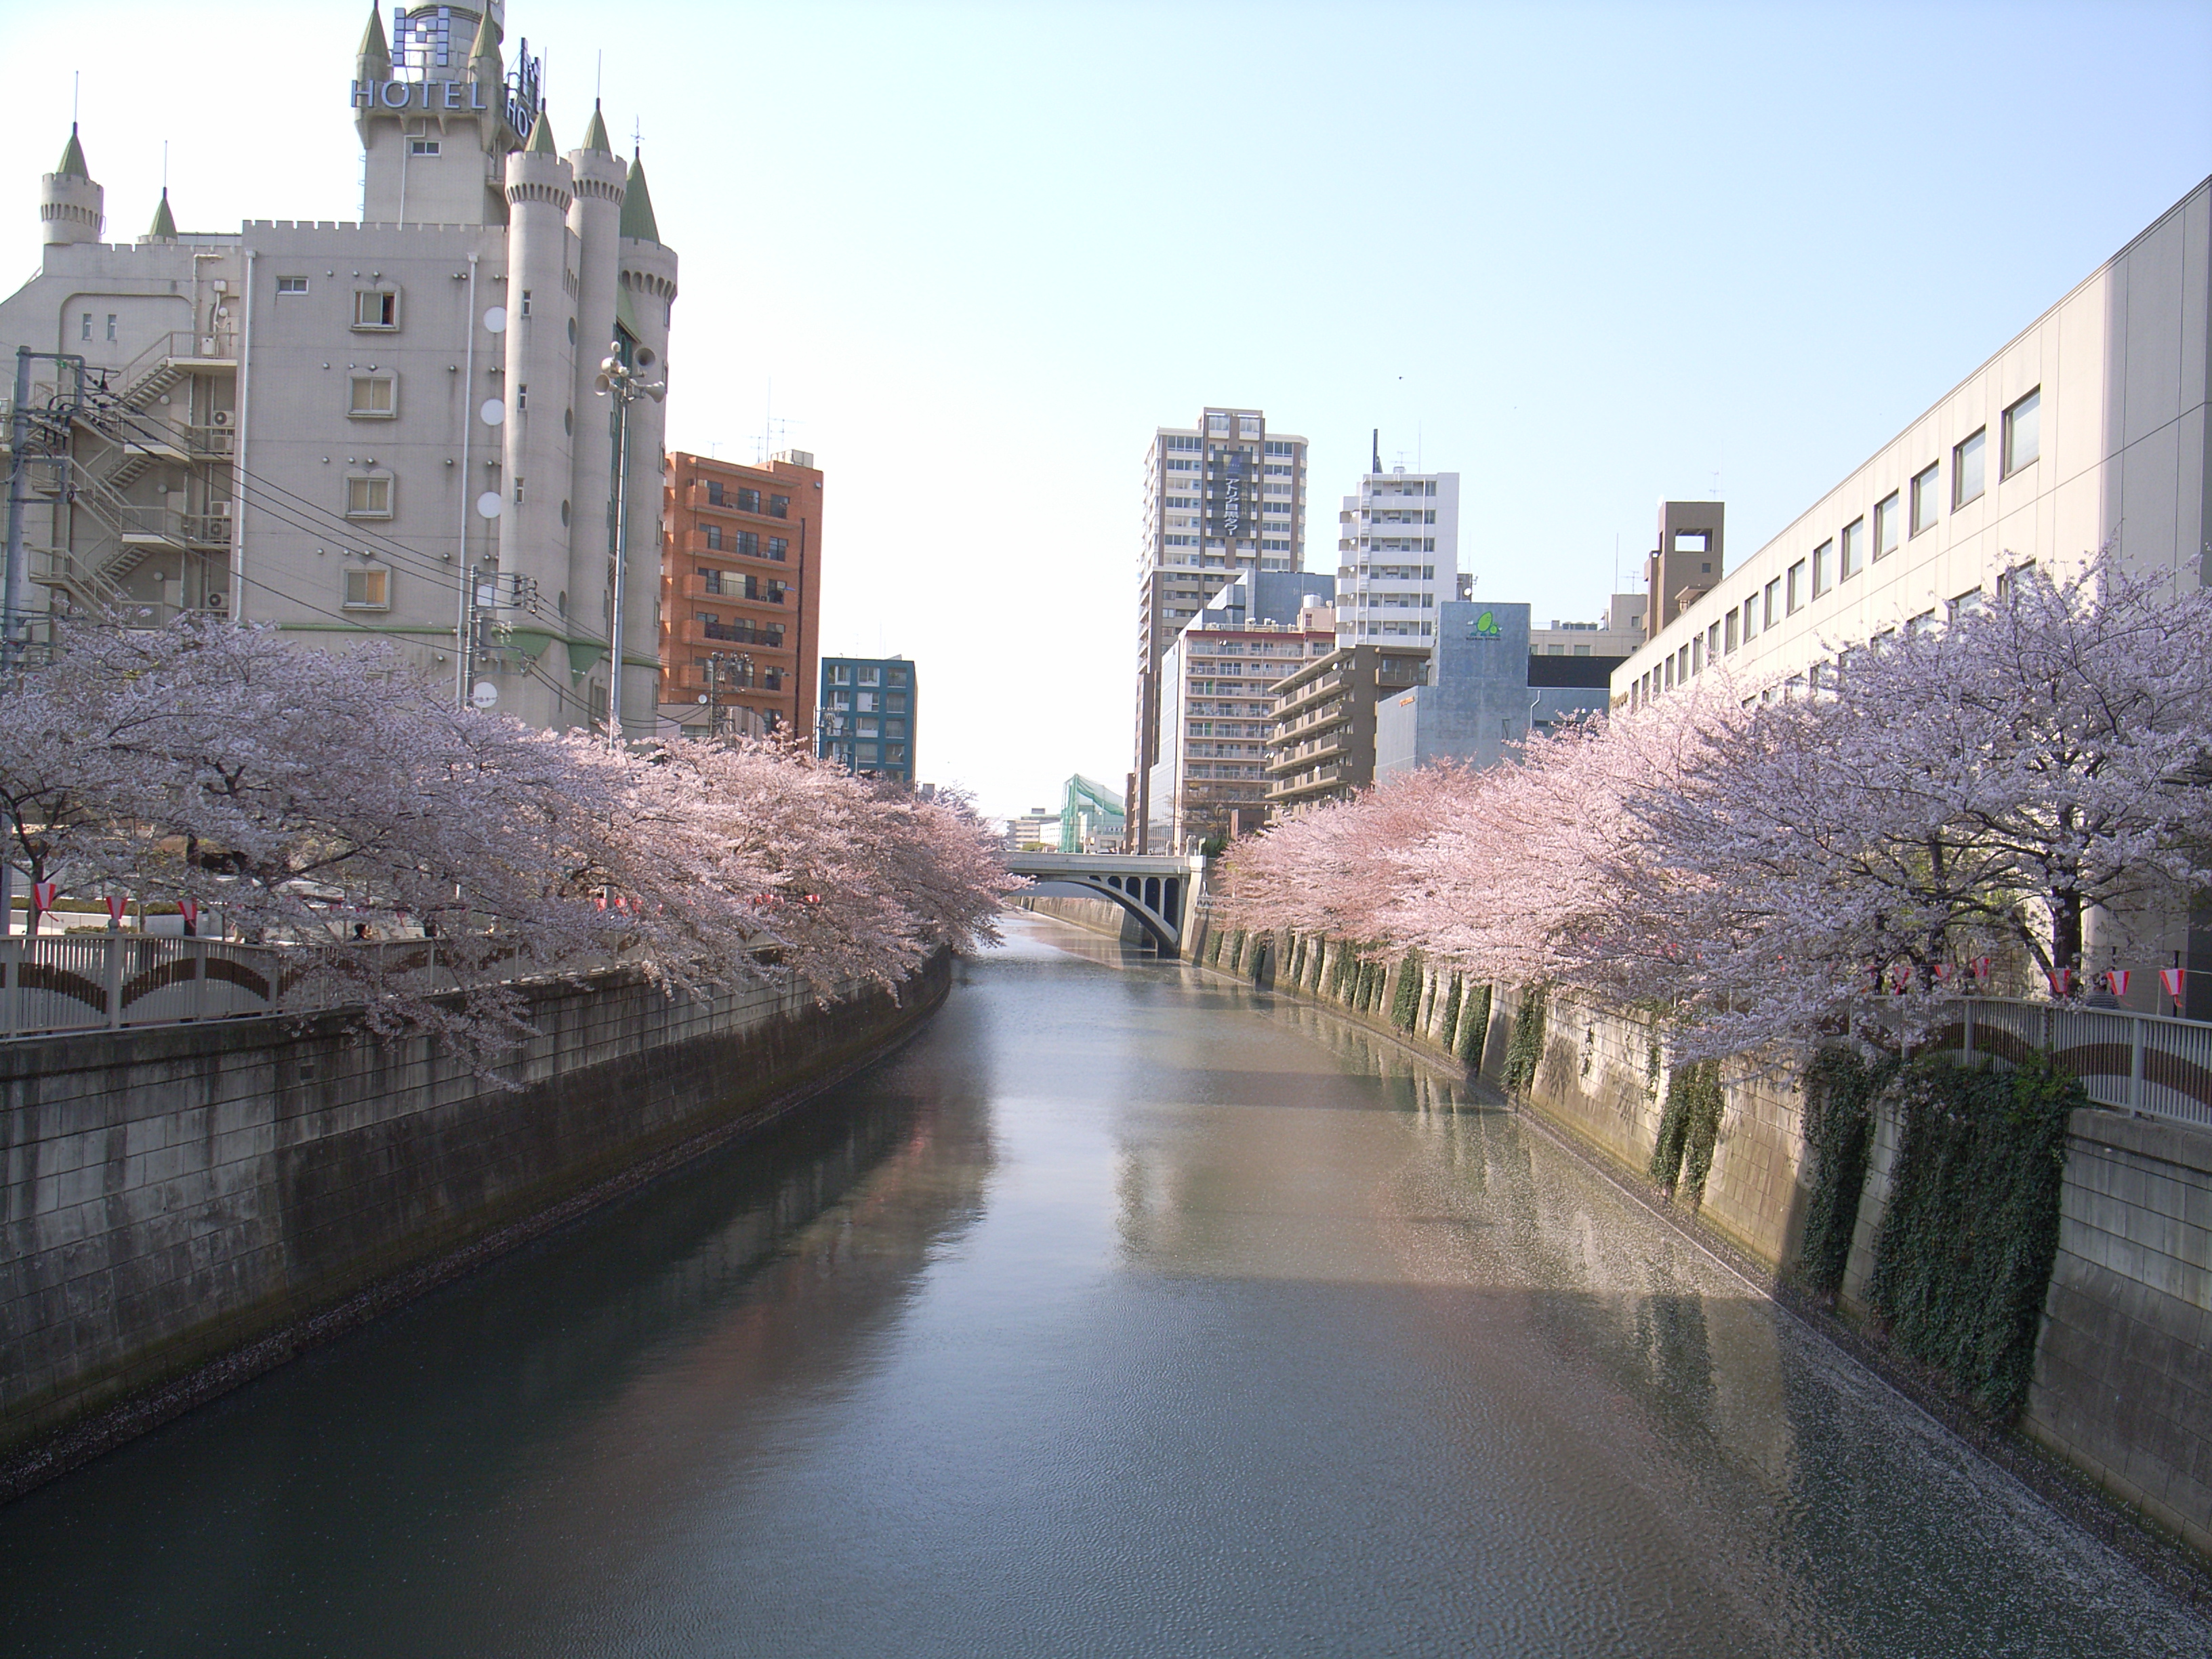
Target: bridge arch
[1156,891]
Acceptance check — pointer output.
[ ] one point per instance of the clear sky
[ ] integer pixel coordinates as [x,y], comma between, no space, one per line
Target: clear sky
[970,255]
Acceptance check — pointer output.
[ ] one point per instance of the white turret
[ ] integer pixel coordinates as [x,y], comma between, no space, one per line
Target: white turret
[71,208]
[643,310]
[540,381]
[595,222]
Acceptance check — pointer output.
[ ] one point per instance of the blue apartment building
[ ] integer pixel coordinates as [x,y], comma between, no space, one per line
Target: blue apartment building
[867,718]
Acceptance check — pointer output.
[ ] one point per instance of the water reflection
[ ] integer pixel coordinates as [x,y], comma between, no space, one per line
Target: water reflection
[1123,1312]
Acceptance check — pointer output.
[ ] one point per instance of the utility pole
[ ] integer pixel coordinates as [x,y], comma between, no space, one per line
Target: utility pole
[619,379]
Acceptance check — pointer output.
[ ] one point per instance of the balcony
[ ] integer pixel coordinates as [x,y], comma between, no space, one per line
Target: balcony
[696,587]
[740,631]
[1335,744]
[1330,684]
[697,498]
[1306,785]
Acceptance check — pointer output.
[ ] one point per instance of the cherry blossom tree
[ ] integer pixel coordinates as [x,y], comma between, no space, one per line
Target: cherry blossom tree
[299,789]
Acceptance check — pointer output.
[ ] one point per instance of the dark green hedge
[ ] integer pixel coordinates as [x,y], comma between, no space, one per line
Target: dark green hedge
[1689,1129]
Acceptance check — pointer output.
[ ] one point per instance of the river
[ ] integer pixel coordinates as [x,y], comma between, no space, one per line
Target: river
[1119,1313]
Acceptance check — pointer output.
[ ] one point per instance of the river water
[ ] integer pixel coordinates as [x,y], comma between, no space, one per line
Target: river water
[1118,1314]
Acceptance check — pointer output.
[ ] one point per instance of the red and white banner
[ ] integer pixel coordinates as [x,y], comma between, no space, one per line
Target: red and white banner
[2062,981]
[190,910]
[44,893]
[117,904]
[2116,981]
[2170,981]
[1942,972]
[1900,977]
[1982,968]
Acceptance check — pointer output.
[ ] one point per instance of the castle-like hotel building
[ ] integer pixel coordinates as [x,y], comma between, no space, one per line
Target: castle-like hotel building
[388,428]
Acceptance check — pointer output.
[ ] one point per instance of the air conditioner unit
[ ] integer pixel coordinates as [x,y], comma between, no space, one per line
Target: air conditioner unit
[220,417]
[218,601]
[219,507]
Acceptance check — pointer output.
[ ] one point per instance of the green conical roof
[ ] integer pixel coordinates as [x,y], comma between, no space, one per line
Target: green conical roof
[73,165]
[165,222]
[541,135]
[486,44]
[375,54]
[595,134]
[637,219]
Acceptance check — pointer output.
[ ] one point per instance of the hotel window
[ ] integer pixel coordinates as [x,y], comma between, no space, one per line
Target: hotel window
[368,498]
[2023,424]
[428,146]
[1966,469]
[1885,525]
[111,325]
[368,588]
[84,327]
[291,285]
[375,308]
[1796,589]
[373,397]
[1854,552]
[1823,568]
[1925,498]
[525,309]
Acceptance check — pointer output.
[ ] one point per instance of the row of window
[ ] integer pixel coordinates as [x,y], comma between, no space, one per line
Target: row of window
[839,673]
[746,500]
[869,725]
[1842,558]
[861,756]
[1248,426]
[722,539]
[707,672]
[868,702]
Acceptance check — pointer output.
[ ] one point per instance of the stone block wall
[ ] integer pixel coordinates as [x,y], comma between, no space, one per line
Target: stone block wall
[167,1195]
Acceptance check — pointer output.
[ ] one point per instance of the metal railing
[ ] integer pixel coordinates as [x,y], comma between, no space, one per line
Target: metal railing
[95,981]
[2145,1063]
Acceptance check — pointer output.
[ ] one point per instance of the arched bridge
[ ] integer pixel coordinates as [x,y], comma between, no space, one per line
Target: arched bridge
[1157,891]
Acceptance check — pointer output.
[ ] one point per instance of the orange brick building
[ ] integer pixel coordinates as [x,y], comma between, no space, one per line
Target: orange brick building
[740,593]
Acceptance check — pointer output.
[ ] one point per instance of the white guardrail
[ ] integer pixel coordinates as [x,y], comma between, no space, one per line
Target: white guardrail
[91,982]
[2129,1062]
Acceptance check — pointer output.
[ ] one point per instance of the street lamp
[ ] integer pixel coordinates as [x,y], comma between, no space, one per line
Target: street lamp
[618,380]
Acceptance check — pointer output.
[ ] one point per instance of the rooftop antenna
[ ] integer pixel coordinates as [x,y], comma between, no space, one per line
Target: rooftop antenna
[165,167]
[76,85]
[599,77]
[1375,465]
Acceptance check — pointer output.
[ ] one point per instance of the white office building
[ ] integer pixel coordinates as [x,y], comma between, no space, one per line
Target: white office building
[384,429]
[1397,551]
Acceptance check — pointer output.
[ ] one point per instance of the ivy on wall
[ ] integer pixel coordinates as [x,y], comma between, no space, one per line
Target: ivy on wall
[1840,1087]
[1406,1005]
[1689,1129]
[1448,1026]
[1963,1260]
[1474,1027]
[1526,1048]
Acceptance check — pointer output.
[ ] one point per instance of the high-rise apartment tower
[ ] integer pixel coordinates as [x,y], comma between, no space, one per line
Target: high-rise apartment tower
[1221,498]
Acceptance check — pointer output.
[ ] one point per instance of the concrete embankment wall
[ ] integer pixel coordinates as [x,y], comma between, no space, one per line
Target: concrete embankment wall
[2123,1383]
[175,1197]
[1098,915]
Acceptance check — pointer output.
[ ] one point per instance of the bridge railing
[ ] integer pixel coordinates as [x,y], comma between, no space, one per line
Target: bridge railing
[89,983]
[2131,1062]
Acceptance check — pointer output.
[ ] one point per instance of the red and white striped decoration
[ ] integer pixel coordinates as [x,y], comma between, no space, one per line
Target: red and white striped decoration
[2170,981]
[2116,981]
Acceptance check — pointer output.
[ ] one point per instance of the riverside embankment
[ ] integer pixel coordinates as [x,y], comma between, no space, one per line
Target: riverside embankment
[2124,1347]
[186,1206]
